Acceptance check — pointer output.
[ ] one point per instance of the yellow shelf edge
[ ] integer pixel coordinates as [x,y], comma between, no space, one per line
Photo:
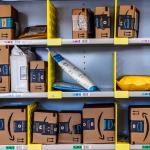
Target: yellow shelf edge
[54,41]
[122,146]
[121,94]
[121,41]
[55,95]
[34,147]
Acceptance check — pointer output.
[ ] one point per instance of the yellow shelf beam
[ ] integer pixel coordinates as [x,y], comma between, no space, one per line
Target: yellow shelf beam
[116,123]
[30,109]
[118,94]
[51,78]
[118,41]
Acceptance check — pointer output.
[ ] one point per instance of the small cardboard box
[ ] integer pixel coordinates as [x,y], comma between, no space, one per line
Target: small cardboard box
[45,128]
[38,76]
[103,22]
[7,34]
[4,69]
[98,124]
[128,22]
[8,11]
[82,23]
[70,130]
[13,126]
[139,124]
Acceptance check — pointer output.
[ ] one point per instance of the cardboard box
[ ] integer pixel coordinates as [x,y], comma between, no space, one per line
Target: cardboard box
[8,11]
[139,124]
[70,130]
[45,128]
[128,22]
[82,23]
[38,76]
[13,126]
[103,22]
[4,69]
[7,34]
[98,124]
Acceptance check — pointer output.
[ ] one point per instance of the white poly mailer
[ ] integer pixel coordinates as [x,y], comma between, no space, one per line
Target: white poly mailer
[19,70]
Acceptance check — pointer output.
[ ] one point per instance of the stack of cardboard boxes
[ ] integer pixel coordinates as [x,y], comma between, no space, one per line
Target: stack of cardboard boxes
[8,16]
[85,26]
[68,127]
[127,24]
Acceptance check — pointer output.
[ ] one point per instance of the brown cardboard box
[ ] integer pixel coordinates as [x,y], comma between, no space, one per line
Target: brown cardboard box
[45,128]
[82,23]
[98,124]
[13,126]
[7,34]
[70,131]
[38,75]
[128,23]
[8,11]
[139,124]
[4,69]
[103,22]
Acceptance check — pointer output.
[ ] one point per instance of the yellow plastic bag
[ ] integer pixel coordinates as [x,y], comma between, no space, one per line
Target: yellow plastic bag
[134,83]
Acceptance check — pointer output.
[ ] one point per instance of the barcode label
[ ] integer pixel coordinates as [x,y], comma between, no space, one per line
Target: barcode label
[80,41]
[23,73]
[82,94]
[86,147]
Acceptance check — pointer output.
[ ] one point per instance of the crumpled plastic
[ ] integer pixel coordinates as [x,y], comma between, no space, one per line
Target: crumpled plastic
[134,83]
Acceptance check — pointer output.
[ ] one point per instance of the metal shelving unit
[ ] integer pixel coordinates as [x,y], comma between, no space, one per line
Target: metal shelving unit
[101,94]
[74,147]
[67,42]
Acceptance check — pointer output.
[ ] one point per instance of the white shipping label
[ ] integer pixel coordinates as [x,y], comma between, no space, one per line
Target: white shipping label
[3,23]
[79,23]
[23,73]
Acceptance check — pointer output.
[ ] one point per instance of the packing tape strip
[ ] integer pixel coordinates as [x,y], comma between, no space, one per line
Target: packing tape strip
[121,41]
[122,146]
[121,94]
[54,41]
[55,95]
[34,147]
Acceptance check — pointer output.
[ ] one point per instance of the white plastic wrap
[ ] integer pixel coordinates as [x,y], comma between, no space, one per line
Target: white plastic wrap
[19,70]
